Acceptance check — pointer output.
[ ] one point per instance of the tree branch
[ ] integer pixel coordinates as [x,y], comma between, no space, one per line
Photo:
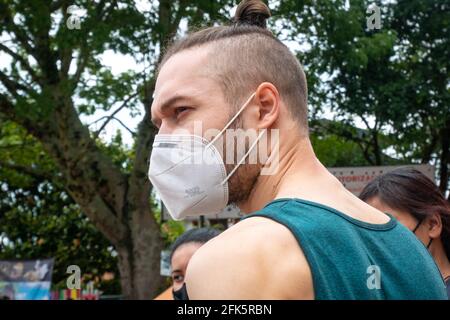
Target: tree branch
[179,15]
[84,54]
[112,116]
[133,134]
[81,63]
[445,157]
[22,61]
[18,33]
[365,122]
[55,5]
[429,148]
[12,86]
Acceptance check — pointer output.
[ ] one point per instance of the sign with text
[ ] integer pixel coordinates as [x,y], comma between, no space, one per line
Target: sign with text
[25,279]
[356,178]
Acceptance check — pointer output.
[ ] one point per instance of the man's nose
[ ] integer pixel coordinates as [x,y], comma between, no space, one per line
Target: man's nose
[165,128]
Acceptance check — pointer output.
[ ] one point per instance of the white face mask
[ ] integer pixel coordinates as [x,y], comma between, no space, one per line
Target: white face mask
[189,173]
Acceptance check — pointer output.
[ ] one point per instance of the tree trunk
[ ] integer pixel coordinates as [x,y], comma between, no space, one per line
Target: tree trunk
[142,268]
[376,148]
[116,203]
[125,201]
[445,158]
[139,262]
[430,148]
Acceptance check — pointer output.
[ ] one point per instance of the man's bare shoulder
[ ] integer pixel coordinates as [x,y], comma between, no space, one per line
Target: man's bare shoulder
[255,259]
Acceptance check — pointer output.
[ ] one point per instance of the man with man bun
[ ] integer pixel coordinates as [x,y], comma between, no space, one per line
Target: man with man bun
[304,235]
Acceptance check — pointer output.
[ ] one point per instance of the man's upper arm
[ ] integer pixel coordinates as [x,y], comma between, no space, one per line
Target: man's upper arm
[218,271]
[261,261]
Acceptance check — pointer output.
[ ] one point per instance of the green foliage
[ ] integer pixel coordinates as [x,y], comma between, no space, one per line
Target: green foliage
[39,219]
[171,229]
[392,82]
[53,226]
[333,151]
[100,97]
[120,154]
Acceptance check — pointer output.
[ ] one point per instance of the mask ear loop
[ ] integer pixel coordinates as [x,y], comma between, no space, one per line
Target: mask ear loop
[226,127]
[245,156]
[232,119]
[417,226]
[415,229]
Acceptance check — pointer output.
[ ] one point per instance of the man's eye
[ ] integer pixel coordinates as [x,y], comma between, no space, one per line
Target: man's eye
[180,110]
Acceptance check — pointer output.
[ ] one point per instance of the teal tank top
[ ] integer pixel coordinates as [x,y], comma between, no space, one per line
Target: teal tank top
[351,259]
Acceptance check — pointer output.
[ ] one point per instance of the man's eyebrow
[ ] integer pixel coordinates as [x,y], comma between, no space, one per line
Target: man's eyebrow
[172,101]
[169,102]
[174,271]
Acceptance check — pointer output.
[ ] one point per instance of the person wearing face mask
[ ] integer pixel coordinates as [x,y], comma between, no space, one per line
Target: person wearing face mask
[303,236]
[416,202]
[181,252]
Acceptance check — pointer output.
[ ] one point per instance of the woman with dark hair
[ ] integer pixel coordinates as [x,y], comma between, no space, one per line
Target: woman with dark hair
[416,202]
[181,252]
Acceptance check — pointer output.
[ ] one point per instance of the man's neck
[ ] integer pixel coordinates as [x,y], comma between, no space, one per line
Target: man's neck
[297,164]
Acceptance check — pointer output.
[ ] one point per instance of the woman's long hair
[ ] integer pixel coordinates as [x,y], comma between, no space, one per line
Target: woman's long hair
[409,190]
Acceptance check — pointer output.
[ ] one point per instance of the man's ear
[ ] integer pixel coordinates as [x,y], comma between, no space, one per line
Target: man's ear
[434,226]
[268,99]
